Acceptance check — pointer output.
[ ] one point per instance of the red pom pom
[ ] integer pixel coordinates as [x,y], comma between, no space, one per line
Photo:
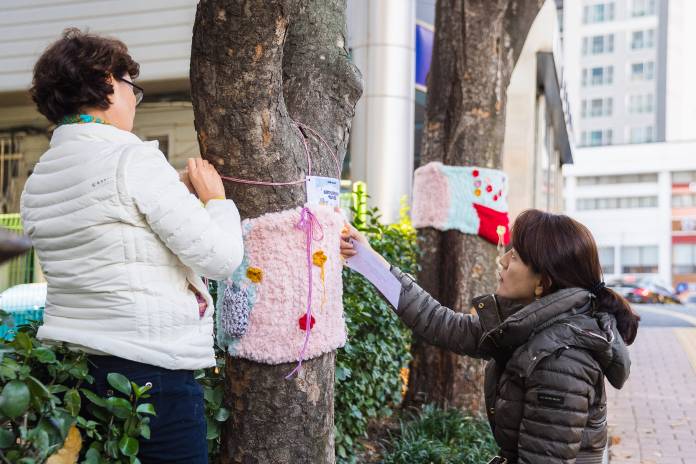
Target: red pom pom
[489,189]
[475,172]
[303,322]
[495,197]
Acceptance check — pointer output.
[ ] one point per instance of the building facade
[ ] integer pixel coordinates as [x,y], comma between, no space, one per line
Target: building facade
[627,69]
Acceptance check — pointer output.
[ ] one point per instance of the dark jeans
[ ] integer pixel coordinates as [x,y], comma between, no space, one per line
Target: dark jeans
[178,430]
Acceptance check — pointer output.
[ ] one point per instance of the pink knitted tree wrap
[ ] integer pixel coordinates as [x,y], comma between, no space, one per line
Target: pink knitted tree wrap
[277,248]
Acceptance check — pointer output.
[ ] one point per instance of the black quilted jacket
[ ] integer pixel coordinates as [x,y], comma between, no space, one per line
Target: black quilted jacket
[544,381]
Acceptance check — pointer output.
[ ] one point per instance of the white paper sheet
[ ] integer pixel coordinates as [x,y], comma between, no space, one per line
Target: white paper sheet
[367,264]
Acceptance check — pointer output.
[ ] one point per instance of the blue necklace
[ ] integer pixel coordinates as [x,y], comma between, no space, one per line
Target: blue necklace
[82,119]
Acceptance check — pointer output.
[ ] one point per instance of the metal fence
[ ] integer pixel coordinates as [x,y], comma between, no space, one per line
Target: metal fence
[19,270]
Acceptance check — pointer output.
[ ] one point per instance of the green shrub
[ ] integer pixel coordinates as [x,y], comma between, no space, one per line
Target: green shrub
[43,397]
[368,382]
[435,436]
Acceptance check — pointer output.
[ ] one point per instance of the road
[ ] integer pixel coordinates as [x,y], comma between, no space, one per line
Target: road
[667,315]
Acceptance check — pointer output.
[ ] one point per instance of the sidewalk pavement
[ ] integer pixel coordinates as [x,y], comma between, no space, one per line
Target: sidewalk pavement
[652,420]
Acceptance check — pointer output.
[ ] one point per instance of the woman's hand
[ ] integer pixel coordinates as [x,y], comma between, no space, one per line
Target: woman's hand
[205,180]
[184,177]
[351,233]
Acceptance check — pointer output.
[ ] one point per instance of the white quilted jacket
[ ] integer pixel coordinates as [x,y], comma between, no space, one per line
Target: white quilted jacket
[120,239]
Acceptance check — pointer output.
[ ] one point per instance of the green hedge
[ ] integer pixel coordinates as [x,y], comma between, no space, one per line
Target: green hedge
[368,382]
[435,436]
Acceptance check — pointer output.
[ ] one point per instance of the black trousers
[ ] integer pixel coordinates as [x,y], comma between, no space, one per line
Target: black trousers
[178,431]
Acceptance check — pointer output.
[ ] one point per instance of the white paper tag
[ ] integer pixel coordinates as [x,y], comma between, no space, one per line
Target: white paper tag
[323,190]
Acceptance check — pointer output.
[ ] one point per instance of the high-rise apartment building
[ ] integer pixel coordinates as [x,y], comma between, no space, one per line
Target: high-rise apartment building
[627,67]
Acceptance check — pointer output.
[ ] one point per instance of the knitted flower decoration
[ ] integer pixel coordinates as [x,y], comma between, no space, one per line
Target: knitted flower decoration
[319,258]
[255,274]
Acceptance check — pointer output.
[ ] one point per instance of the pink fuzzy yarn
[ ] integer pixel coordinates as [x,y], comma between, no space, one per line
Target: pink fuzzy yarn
[274,245]
[431,199]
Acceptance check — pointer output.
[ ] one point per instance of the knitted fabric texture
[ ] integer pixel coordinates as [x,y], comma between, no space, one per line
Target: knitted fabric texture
[234,312]
[471,200]
[274,276]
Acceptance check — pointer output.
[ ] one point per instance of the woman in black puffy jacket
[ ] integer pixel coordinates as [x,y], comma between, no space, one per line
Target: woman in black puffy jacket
[552,333]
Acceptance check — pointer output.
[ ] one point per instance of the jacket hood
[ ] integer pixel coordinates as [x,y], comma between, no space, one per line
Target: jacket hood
[559,321]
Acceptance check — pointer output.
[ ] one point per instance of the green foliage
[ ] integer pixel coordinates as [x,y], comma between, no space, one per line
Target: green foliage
[43,396]
[441,437]
[213,382]
[368,369]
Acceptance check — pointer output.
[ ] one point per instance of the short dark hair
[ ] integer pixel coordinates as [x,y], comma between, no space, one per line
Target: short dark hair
[72,73]
[564,253]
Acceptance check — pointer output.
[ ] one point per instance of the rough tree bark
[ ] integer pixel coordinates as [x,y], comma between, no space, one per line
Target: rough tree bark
[477,43]
[255,66]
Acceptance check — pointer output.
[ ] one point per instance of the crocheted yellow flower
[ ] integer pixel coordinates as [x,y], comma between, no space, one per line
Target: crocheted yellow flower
[255,274]
[319,258]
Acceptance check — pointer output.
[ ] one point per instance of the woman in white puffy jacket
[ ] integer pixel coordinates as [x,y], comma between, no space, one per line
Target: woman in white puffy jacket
[123,242]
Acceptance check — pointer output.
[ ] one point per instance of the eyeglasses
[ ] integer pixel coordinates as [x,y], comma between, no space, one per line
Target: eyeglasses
[137,90]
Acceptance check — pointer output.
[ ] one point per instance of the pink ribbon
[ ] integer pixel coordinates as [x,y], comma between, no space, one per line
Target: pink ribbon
[309,224]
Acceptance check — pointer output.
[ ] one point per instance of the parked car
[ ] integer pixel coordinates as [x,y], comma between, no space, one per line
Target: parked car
[644,290]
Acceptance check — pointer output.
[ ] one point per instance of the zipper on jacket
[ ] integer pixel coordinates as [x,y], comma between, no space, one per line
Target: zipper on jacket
[497,308]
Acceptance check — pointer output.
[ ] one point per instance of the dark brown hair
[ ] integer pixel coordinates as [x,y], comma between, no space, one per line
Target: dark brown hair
[564,253]
[72,73]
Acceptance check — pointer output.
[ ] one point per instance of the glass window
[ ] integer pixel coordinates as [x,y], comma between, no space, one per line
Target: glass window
[684,259]
[596,137]
[606,259]
[643,39]
[643,8]
[643,71]
[620,179]
[639,104]
[685,200]
[683,177]
[616,202]
[639,259]
[598,13]
[598,44]
[642,134]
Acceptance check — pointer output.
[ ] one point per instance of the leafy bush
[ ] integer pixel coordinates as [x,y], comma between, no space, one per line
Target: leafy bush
[441,437]
[43,398]
[368,369]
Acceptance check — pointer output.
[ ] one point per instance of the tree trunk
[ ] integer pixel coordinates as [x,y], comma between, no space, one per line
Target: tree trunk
[477,43]
[255,64]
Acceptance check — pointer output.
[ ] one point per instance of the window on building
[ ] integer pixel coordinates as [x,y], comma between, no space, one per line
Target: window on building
[598,76]
[598,44]
[643,8]
[597,107]
[684,258]
[595,138]
[619,179]
[585,204]
[642,134]
[644,71]
[598,13]
[643,39]
[640,104]
[683,177]
[684,200]
[606,259]
[163,142]
[639,259]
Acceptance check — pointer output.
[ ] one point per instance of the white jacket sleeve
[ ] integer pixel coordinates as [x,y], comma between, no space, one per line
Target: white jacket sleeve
[206,239]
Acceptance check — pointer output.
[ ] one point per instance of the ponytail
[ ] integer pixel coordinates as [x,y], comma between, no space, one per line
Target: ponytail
[626,319]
